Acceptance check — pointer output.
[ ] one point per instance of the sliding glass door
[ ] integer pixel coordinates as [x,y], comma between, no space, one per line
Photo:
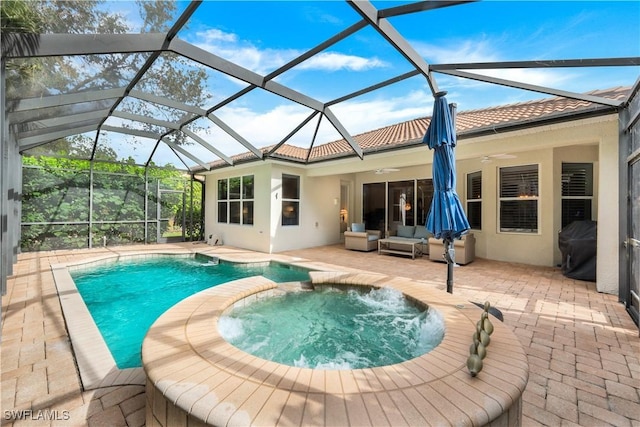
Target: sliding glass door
[373,199]
[389,204]
[400,204]
[424,195]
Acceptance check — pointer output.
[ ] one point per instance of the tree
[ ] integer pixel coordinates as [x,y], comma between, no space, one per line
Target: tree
[75,146]
[172,76]
[57,191]
[20,25]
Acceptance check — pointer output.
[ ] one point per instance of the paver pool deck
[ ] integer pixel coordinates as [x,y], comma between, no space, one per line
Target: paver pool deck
[582,347]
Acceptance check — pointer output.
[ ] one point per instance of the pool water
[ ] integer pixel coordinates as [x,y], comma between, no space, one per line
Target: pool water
[125,298]
[334,329]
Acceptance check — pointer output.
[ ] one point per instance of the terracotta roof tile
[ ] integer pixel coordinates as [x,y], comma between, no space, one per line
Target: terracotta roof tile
[467,122]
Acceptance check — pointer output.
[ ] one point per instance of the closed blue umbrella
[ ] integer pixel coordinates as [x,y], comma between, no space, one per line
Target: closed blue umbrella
[446,220]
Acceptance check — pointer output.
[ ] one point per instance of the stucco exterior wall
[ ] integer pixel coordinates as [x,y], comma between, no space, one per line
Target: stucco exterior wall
[588,140]
[255,237]
[607,269]
[319,210]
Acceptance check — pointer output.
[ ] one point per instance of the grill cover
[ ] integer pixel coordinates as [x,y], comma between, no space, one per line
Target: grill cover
[578,242]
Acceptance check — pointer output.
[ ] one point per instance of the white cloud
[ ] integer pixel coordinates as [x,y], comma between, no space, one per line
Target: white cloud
[333,61]
[263,129]
[456,51]
[263,61]
[363,116]
[484,50]
[214,34]
[548,78]
[227,46]
[267,128]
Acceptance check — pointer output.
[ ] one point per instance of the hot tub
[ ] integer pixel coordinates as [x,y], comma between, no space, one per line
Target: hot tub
[195,377]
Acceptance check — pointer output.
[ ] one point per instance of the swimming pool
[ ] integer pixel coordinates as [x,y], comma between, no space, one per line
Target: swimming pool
[126,297]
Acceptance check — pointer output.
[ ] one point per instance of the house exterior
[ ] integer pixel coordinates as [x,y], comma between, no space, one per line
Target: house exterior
[523,172]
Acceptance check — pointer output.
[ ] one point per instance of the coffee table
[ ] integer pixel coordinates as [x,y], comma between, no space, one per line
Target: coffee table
[411,247]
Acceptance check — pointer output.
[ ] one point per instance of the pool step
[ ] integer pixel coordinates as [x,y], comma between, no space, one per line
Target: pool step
[296,286]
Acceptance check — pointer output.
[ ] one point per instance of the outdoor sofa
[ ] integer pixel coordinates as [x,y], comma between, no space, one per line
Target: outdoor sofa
[410,233]
[359,239]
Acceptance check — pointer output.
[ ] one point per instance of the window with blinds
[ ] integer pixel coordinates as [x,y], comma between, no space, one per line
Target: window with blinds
[577,192]
[474,200]
[519,199]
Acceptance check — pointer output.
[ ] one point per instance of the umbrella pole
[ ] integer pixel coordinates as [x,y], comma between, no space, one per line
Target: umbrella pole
[450,277]
[449,256]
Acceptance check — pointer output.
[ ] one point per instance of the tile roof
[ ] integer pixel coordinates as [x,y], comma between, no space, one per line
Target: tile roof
[468,123]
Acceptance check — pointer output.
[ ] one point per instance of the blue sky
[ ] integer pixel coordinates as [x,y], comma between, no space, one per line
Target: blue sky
[263,35]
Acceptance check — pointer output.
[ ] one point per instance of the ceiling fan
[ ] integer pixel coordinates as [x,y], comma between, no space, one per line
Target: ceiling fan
[489,158]
[385,170]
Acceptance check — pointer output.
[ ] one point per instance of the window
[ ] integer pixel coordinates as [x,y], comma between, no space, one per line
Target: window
[290,200]
[519,199]
[235,200]
[247,200]
[577,192]
[223,197]
[474,200]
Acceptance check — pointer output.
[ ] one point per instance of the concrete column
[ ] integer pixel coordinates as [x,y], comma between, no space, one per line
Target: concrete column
[607,273]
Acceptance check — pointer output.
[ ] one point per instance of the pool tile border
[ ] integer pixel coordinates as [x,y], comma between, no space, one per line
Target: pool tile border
[96,365]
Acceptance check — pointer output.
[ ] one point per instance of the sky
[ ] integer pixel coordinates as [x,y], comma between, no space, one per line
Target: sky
[263,35]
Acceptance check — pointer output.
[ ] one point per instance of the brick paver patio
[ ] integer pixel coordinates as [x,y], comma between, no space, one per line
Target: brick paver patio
[582,346]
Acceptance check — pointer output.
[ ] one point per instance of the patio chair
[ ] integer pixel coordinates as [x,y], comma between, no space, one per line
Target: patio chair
[465,248]
[359,239]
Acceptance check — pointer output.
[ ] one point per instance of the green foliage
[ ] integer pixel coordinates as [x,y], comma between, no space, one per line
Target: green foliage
[45,237]
[56,205]
[19,16]
[194,219]
[76,146]
[20,24]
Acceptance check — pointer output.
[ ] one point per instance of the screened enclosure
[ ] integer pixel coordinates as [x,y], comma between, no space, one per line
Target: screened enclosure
[94,204]
[111,110]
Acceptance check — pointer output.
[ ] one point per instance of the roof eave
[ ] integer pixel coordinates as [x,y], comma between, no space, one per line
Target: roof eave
[529,123]
[488,130]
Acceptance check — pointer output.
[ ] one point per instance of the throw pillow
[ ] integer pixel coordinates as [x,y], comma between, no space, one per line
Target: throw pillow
[421,232]
[405,231]
[357,227]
